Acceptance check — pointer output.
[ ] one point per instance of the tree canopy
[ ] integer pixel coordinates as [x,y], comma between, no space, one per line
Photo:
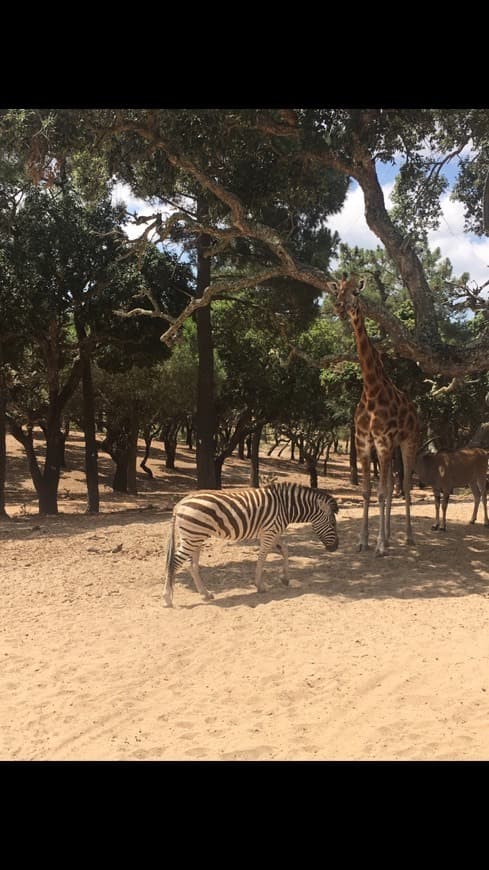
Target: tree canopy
[269,178]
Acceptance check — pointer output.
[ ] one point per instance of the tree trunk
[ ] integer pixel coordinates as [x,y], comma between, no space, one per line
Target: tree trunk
[117,445]
[3,446]
[241,448]
[292,451]
[313,473]
[206,421]
[326,458]
[188,439]
[284,447]
[91,448]
[63,434]
[147,447]
[255,460]
[218,464]
[353,456]
[48,491]
[398,247]
[46,484]
[132,456]
[89,426]
[170,444]
[119,484]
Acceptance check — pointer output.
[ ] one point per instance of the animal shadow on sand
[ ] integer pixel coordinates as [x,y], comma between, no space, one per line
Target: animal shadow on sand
[452,564]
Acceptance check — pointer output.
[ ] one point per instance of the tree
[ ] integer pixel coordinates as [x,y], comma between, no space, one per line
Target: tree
[188,160]
[56,263]
[298,156]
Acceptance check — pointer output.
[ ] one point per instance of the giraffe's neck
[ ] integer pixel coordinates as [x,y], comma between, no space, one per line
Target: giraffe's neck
[369,358]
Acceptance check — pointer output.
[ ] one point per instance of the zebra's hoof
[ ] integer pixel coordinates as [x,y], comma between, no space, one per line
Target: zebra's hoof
[167,602]
[208,596]
[265,587]
[362,547]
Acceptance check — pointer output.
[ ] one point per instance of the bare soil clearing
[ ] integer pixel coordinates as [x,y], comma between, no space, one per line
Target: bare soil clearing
[373,658]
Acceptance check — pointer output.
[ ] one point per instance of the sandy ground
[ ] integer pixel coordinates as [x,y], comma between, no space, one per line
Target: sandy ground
[371,659]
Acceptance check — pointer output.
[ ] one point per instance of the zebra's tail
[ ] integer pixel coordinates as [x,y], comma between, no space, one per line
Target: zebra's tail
[170,564]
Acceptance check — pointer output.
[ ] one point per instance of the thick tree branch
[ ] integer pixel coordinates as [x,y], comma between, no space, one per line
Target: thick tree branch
[425,346]
[454,384]
[485,204]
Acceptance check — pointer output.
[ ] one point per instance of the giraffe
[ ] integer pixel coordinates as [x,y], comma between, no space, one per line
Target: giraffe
[384,418]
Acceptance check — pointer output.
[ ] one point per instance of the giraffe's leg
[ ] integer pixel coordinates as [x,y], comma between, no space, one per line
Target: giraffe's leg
[477,497]
[436,524]
[385,460]
[366,489]
[408,450]
[388,502]
[195,572]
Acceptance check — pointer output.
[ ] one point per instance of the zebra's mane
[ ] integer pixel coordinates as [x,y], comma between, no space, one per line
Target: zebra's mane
[322,493]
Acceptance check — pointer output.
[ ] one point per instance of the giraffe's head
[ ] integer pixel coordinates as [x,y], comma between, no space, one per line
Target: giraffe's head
[345,293]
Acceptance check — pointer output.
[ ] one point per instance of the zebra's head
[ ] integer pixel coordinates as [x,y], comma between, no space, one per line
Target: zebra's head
[324,523]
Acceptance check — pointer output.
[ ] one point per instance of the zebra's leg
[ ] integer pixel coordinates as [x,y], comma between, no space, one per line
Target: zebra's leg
[282,547]
[195,572]
[268,542]
[174,564]
[168,590]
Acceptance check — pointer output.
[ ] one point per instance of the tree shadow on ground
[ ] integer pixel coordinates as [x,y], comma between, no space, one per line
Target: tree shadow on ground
[440,565]
[68,525]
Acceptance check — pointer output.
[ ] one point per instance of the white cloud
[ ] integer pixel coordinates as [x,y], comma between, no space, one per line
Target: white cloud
[466,252]
[350,223]
[123,193]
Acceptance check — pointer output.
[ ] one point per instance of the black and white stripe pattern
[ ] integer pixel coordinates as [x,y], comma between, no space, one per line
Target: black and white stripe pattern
[244,514]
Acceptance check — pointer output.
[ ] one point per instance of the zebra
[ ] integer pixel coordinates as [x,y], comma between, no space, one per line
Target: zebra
[246,514]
